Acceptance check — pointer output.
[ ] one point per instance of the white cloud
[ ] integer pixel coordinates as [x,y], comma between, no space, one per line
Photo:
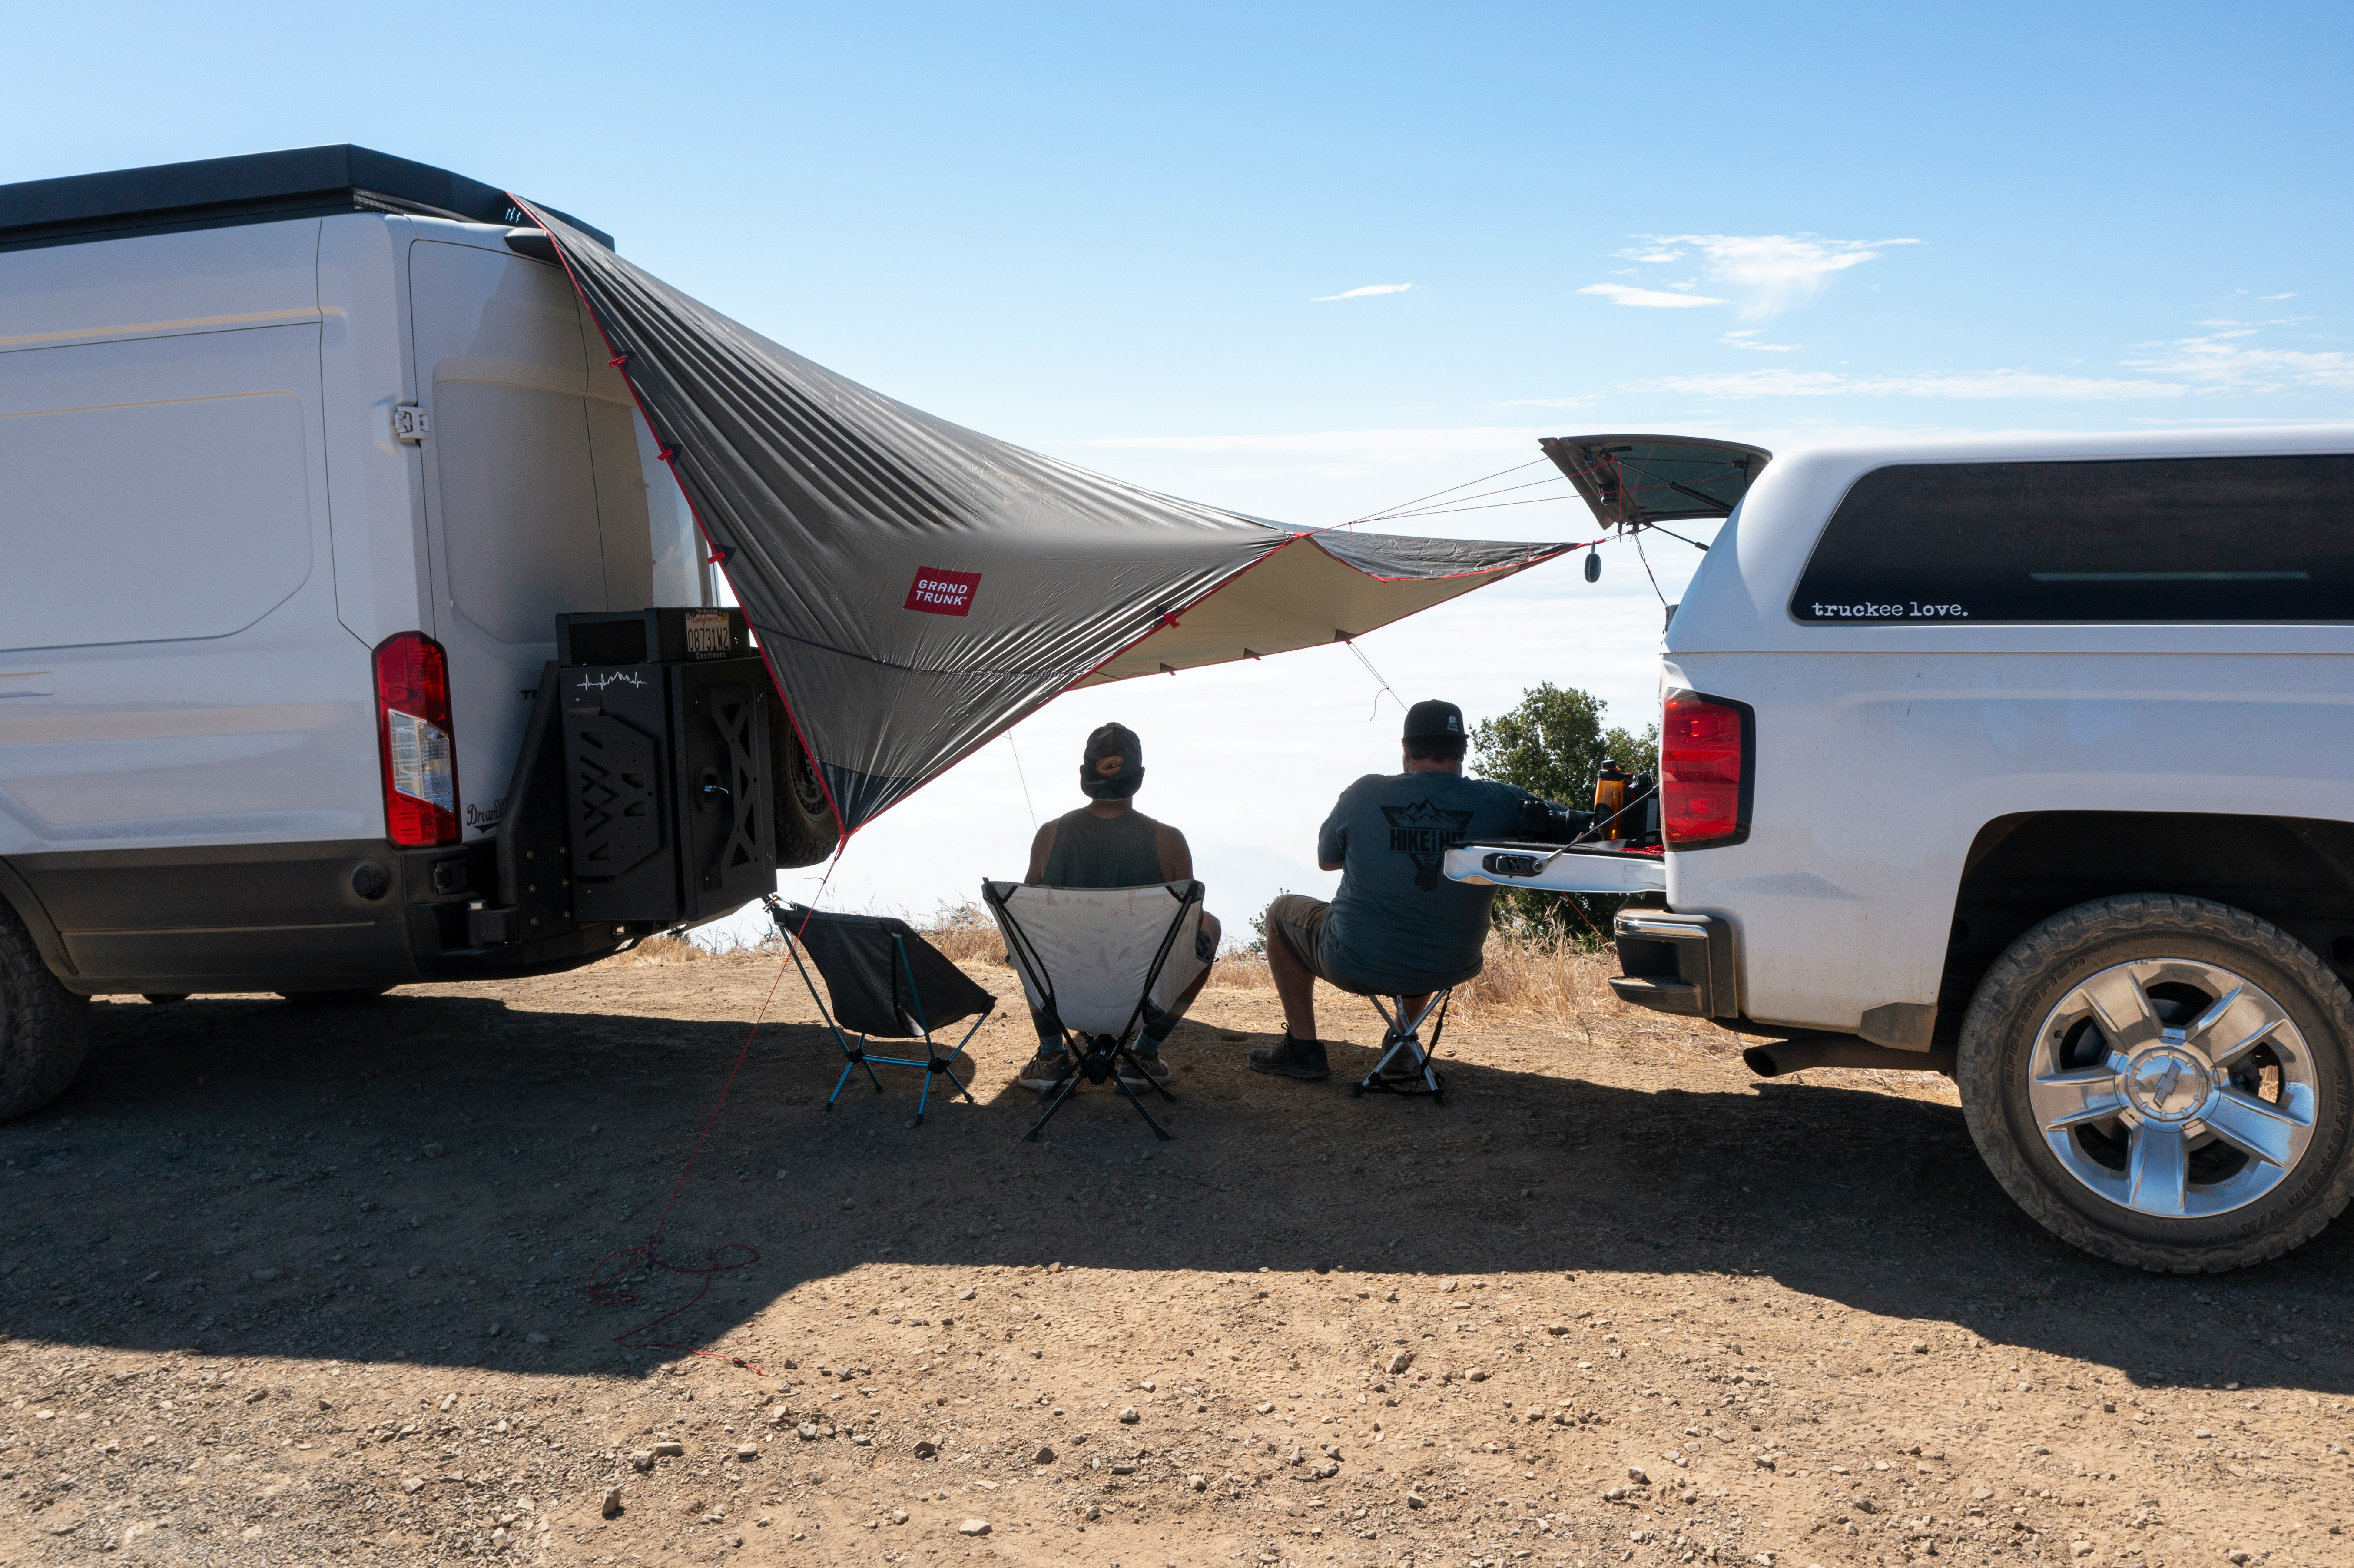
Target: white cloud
[2226,361]
[1653,256]
[1966,384]
[1771,272]
[1368,291]
[2288,296]
[1654,299]
[1746,339]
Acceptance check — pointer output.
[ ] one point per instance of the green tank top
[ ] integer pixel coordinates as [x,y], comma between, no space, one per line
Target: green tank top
[1104,852]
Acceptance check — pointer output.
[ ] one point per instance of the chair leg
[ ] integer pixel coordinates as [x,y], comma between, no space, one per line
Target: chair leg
[852,1062]
[1160,1131]
[1061,1090]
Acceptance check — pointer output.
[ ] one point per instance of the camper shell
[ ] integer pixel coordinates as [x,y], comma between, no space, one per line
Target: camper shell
[295,448]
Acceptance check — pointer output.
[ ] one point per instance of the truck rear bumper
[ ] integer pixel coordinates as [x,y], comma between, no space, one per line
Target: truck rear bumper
[1676,963]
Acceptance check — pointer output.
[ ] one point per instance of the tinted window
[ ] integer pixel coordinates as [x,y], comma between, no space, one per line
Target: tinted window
[2256,538]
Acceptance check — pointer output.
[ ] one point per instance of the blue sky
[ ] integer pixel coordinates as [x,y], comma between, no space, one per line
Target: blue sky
[1114,233]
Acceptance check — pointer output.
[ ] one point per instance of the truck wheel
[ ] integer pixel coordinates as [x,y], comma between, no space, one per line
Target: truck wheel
[806,830]
[2165,1082]
[44,1027]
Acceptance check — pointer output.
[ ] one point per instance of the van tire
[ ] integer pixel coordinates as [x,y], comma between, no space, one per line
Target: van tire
[2044,965]
[807,830]
[44,1027]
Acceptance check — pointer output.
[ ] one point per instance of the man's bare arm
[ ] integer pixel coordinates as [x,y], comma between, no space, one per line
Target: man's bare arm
[1040,848]
[1328,865]
[1176,857]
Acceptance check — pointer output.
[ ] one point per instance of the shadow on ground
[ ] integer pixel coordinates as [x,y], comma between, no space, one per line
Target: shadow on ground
[431,1179]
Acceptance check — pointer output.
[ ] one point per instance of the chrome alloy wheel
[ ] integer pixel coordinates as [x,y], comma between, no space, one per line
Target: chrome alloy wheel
[2172,1088]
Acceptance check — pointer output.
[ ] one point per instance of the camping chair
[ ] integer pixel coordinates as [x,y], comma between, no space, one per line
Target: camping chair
[1402,1038]
[888,983]
[1098,964]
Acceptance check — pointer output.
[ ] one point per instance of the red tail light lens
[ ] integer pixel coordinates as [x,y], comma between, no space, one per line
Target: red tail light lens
[1707,749]
[412,727]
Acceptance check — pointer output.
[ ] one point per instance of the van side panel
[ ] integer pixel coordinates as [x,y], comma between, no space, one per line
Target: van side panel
[169,490]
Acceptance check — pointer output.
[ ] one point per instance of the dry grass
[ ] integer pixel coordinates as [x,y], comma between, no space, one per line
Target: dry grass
[667,949]
[1524,973]
[966,932]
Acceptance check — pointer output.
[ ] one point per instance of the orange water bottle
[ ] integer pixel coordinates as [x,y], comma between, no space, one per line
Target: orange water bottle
[1609,800]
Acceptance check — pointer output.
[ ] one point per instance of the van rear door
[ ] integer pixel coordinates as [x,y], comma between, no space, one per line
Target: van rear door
[537,490]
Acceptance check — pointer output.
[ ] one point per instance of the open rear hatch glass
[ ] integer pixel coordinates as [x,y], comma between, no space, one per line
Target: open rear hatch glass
[1634,481]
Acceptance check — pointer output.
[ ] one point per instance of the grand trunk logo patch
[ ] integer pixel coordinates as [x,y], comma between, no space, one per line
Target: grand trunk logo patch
[937,592]
[1425,833]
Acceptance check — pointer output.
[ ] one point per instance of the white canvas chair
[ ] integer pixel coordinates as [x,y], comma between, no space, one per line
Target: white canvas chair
[1097,965]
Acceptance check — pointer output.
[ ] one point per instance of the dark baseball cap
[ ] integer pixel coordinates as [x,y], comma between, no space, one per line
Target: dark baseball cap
[1427,719]
[1113,768]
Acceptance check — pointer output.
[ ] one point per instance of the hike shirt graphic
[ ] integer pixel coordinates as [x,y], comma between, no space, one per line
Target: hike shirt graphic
[1425,833]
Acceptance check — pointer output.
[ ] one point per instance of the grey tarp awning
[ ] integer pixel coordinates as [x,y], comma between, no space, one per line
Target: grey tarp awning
[917,587]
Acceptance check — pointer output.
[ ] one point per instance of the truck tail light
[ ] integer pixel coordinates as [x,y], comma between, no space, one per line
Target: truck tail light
[1708,752]
[421,760]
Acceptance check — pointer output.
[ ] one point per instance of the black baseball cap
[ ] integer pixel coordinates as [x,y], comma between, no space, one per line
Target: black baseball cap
[1113,768]
[1427,719]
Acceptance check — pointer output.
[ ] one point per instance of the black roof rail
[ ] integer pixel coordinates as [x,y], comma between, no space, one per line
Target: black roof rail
[258,187]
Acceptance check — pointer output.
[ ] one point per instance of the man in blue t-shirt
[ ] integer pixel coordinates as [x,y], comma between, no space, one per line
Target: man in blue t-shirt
[1397,926]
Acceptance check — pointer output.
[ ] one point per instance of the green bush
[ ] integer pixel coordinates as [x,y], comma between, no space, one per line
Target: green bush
[1554,745]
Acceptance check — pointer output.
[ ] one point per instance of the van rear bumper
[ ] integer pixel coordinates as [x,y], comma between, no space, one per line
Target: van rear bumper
[1676,963]
[332,916]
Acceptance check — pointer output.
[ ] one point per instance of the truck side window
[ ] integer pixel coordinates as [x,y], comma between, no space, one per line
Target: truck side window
[2159,539]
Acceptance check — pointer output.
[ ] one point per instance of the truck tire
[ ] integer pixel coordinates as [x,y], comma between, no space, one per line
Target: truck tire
[44,1027]
[806,828]
[2164,1082]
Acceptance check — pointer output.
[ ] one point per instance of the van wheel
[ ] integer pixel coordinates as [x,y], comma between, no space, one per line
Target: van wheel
[44,1027]
[806,830]
[2165,1082]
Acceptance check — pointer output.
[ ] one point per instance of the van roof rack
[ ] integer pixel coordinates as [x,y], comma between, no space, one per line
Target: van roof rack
[258,187]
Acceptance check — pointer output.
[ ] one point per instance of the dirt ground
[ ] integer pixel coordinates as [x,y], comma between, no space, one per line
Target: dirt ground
[302,1284]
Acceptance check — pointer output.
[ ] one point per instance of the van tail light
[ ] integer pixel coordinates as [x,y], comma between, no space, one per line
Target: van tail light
[1708,754]
[412,723]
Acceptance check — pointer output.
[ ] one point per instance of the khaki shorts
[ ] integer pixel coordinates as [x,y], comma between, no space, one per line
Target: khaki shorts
[1299,921]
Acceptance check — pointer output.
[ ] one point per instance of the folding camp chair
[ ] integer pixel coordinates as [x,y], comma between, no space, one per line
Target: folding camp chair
[888,983]
[1099,964]
[1402,1038]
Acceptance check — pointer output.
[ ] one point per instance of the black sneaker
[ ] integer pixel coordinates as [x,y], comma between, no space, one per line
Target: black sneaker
[1291,1058]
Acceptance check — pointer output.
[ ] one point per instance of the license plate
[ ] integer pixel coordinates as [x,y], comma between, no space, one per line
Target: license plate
[706,634]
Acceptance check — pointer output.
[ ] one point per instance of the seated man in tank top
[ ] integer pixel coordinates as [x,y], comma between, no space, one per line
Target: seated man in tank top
[1108,842]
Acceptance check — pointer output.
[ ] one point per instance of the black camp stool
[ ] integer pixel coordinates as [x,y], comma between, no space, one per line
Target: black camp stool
[888,983]
[1402,1038]
[1091,1058]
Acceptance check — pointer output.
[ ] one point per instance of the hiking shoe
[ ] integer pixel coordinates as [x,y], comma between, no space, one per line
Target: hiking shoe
[1045,1072]
[1291,1058]
[1138,1071]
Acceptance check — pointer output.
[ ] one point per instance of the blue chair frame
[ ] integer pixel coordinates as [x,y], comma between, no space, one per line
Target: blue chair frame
[858,1056]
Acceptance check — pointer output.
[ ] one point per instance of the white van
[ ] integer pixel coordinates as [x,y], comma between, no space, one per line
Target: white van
[302,458]
[2031,760]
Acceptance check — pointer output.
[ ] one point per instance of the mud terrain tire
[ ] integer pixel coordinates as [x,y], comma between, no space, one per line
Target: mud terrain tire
[44,1027]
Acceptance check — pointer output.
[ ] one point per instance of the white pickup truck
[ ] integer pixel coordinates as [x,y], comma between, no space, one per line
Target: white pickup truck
[2031,760]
